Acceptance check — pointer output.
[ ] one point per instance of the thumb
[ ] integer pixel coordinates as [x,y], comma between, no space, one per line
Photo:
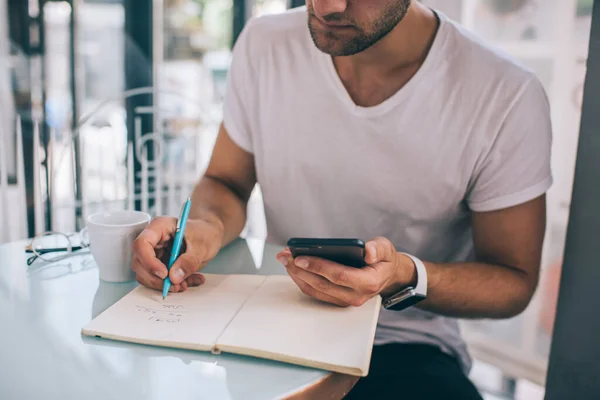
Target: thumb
[184,266]
[379,250]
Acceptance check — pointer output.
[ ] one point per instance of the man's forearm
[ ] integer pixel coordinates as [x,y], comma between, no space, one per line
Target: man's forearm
[477,290]
[215,201]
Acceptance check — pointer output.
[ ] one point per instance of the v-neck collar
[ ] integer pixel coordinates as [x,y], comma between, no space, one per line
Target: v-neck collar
[433,59]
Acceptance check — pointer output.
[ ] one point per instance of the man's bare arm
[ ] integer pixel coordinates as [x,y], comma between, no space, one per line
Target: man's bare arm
[501,283]
[222,194]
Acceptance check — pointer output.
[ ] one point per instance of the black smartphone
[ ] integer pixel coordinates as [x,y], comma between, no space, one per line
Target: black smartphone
[348,252]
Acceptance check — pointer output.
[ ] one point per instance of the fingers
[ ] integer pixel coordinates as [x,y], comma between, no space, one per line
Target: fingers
[321,285]
[379,249]
[339,274]
[151,239]
[144,277]
[191,281]
[144,251]
[195,280]
[348,284]
[166,226]
[284,256]
[159,231]
[185,265]
[310,291]
[318,286]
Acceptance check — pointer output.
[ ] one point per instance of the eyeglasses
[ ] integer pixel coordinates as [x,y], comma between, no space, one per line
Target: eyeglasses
[57,246]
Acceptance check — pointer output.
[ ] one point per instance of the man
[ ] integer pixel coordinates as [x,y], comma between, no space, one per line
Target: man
[381,120]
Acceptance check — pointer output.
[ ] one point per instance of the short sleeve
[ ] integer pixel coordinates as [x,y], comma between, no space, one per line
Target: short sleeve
[241,94]
[517,167]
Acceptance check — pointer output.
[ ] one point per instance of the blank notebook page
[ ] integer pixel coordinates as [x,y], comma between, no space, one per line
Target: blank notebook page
[193,319]
[283,322]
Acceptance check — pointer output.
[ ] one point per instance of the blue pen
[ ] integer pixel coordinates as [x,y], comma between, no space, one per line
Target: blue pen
[185,212]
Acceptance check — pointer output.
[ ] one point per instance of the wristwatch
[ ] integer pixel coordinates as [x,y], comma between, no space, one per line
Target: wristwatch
[411,295]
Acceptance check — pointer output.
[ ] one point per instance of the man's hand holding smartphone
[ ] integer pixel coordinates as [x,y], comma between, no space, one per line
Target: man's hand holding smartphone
[386,272]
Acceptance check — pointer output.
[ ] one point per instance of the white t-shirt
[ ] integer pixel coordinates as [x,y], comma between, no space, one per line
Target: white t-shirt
[470,131]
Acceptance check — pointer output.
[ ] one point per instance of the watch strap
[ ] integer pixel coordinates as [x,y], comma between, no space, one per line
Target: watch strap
[409,296]
[421,287]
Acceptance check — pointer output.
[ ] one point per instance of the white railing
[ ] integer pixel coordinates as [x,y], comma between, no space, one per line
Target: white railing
[107,160]
[181,154]
[13,204]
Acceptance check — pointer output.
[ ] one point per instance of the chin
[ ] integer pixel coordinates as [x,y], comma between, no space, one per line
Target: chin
[330,48]
[327,42]
[333,49]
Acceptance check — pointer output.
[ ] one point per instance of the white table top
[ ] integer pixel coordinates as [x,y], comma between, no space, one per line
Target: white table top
[50,304]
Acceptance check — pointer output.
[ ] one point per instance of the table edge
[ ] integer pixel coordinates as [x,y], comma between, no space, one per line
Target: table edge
[332,386]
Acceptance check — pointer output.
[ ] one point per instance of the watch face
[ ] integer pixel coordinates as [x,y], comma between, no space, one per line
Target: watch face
[405,303]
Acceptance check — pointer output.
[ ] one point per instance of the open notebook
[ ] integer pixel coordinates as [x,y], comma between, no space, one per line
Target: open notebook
[261,316]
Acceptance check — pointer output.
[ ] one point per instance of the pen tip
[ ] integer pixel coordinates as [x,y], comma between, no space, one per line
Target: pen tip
[164,297]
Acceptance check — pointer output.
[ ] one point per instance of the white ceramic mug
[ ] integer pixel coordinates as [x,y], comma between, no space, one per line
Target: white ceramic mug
[111,235]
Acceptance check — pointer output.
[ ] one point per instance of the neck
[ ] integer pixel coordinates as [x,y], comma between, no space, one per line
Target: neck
[404,46]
